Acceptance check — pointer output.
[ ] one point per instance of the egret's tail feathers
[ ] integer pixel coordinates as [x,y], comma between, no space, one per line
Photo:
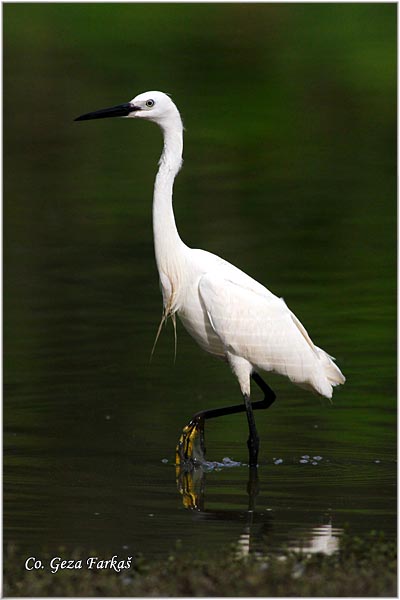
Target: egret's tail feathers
[332,371]
[329,375]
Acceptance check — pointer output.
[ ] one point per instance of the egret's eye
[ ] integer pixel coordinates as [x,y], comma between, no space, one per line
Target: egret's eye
[150,103]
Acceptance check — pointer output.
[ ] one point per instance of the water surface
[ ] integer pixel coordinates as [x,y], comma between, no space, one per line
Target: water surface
[290,174]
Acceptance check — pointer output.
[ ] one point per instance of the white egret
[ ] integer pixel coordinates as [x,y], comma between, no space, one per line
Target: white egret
[229,314]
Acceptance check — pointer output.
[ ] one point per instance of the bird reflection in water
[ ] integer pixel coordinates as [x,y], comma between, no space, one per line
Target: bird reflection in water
[191,471]
[323,539]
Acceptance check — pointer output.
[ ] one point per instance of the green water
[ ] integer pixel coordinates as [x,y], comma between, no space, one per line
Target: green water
[290,173]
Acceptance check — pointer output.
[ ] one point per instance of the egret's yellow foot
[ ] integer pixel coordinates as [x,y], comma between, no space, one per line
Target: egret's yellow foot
[190,448]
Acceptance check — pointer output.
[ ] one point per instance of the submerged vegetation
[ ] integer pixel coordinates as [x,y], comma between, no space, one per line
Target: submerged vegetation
[362,567]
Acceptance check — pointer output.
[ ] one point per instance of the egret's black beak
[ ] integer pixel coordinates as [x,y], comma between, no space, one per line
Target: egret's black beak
[121,110]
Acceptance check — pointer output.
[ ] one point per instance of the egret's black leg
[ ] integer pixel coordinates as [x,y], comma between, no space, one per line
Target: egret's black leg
[269,398]
[269,395]
[194,430]
[253,443]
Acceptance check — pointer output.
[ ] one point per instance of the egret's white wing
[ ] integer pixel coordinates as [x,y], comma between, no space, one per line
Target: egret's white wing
[260,328]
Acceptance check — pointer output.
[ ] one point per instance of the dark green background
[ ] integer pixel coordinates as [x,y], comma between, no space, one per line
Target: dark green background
[290,173]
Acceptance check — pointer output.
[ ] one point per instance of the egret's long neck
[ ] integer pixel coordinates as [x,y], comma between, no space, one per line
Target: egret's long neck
[167,242]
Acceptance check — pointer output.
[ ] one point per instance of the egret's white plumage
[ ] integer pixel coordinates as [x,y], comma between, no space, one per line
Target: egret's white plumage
[228,313]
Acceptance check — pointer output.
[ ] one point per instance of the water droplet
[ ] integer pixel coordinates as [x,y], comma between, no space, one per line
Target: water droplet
[377,461]
[305,456]
[303,460]
[317,457]
[278,461]
[164,460]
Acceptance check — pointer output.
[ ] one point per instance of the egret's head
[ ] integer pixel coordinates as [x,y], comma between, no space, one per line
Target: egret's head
[153,106]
